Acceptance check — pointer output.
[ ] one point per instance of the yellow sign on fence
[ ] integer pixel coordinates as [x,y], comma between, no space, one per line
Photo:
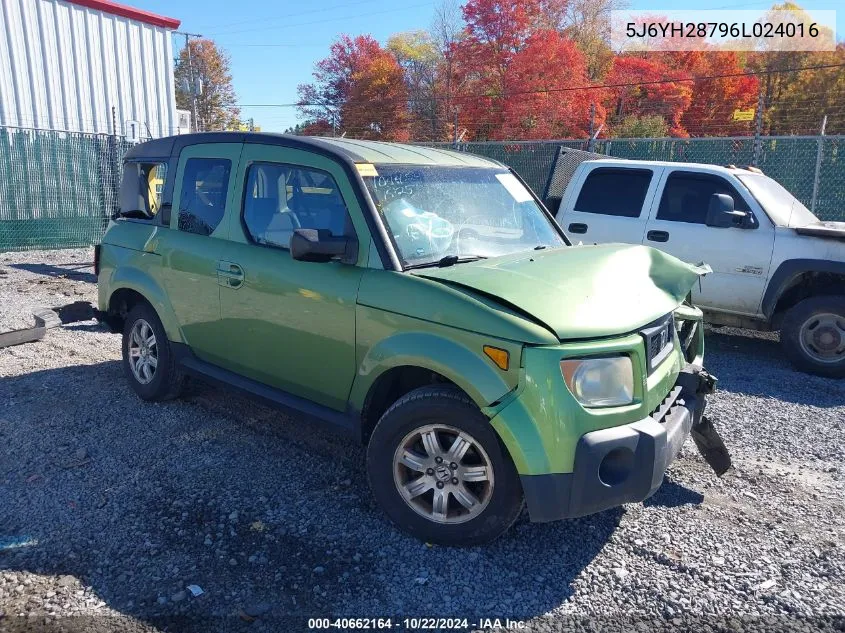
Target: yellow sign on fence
[744,115]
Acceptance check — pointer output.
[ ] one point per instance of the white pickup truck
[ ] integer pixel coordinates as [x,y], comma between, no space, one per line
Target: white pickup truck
[776,266]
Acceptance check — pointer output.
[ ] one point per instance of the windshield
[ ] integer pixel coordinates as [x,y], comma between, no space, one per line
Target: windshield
[434,212]
[783,208]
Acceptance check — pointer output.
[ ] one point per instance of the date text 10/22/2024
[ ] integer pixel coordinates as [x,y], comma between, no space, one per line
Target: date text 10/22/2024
[415,624]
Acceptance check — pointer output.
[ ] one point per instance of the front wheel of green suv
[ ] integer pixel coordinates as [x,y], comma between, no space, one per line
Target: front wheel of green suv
[148,360]
[439,471]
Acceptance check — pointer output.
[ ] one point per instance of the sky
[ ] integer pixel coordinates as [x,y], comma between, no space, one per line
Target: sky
[273,46]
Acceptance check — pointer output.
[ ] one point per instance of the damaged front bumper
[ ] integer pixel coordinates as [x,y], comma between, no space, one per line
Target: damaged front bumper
[626,463]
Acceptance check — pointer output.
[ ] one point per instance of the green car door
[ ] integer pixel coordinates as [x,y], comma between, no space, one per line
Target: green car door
[291,324]
[191,248]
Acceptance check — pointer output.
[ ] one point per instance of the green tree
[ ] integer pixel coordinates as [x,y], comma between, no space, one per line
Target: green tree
[203,75]
[420,60]
[648,126]
[809,96]
[778,83]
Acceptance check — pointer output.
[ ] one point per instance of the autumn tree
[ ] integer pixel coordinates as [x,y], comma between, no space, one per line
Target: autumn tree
[202,75]
[359,89]
[720,88]
[587,23]
[418,55]
[446,33]
[810,95]
[646,87]
[514,76]
[547,78]
[777,76]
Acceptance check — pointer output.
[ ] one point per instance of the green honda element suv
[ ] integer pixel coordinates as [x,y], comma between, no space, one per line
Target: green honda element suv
[420,300]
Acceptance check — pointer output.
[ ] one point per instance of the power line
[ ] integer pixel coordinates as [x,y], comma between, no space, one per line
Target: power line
[572,88]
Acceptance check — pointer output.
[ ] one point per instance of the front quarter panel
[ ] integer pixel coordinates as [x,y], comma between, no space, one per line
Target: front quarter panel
[401,320]
[387,340]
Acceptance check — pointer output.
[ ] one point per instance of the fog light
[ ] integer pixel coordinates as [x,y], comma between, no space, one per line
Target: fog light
[616,466]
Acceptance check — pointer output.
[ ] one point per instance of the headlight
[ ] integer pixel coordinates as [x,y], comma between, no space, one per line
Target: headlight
[600,382]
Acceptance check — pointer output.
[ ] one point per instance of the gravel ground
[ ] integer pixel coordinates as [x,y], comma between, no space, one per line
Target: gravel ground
[111,507]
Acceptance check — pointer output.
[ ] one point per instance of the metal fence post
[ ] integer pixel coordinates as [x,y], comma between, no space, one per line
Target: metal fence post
[758,131]
[819,152]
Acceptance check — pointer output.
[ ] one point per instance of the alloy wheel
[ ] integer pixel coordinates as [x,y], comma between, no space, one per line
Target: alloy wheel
[443,474]
[143,352]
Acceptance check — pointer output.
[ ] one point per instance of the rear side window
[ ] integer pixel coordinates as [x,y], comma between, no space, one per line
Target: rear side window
[142,189]
[153,175]
[619,192]
[686,196]
[279,199]
[202,200]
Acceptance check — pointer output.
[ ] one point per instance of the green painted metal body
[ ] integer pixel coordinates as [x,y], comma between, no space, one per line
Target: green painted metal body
[328,331]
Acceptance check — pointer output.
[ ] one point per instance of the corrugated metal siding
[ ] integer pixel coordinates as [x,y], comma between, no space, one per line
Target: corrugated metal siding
[64,66]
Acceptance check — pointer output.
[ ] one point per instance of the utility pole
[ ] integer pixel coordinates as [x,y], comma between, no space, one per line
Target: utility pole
[592,127]
[456,128]
[192,88]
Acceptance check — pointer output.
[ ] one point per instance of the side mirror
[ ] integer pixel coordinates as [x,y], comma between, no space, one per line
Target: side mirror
[133,189]
[319,245]
[721,213]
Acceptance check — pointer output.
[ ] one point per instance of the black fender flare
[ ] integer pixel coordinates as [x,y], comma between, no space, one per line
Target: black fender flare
[786,274]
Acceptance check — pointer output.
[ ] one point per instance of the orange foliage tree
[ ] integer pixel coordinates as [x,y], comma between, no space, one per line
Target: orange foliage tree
[359,89]
[646,87]
[711,109]
[511,76]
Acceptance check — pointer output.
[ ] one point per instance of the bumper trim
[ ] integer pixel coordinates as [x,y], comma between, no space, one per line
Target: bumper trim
[621,464]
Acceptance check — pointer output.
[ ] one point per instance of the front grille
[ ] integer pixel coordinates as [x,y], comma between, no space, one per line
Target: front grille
[668,403]
[659,340]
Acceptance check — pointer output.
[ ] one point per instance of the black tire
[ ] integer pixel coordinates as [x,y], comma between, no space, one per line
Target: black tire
[793,321]
[167,381]
[448,406]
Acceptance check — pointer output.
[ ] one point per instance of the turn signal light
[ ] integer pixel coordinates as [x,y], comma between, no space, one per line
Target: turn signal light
[498,356]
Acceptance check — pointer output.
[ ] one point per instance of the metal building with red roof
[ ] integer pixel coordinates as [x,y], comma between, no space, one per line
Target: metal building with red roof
[86,66]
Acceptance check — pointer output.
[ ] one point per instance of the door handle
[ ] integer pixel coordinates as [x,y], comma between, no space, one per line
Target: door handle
[658,236]
[578,227]
[230,274]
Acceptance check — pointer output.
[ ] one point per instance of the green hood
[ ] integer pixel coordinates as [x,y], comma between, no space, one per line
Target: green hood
[580,292]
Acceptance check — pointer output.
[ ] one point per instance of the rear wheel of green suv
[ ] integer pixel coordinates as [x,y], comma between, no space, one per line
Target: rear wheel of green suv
[439,471]
[148,361]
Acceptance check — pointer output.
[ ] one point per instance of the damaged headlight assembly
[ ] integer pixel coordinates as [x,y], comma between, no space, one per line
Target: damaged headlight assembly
[606,381]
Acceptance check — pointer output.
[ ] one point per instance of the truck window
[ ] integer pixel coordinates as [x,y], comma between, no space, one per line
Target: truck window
[686,196]
[202,201]
[612,191]
[281,198]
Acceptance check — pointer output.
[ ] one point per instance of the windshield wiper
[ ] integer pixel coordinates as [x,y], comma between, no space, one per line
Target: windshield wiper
[448,260]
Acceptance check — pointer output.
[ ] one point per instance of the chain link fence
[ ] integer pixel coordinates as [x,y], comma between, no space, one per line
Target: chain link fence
[812,168]
[57,189]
